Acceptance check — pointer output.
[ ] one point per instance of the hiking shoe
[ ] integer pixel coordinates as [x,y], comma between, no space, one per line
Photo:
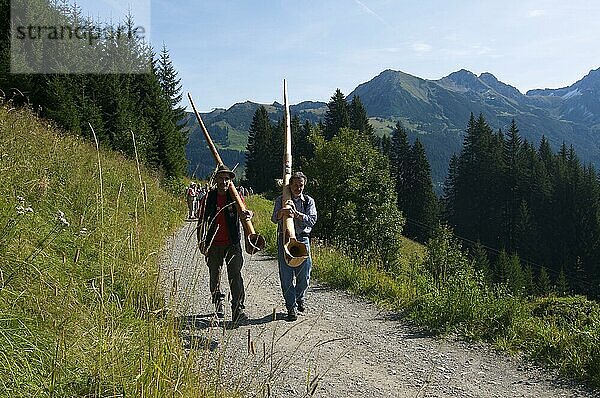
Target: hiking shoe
[292,315]
[219,309]
[239,317]
[300,305]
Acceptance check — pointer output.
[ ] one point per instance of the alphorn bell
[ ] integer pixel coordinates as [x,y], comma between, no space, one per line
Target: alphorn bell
[253,242]
[295,252]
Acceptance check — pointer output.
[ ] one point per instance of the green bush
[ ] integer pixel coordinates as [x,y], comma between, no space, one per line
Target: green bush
[565,332]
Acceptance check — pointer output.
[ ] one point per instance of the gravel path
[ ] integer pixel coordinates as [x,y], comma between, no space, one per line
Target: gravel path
[342,347]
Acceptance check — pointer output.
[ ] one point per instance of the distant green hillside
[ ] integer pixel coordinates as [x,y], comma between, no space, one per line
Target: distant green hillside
[229,129]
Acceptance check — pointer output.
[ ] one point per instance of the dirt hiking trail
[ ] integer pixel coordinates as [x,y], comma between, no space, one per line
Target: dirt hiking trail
[343,346]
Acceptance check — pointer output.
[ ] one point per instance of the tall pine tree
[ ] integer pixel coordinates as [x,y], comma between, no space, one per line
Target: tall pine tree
[420,203]
[336,116]
[258,155]
[359,120]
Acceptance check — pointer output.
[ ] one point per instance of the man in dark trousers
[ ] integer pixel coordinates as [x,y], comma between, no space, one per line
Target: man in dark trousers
[219,239]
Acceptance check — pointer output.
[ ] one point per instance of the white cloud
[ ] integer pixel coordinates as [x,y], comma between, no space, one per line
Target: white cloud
[536,13]
[421,48]
[389,50]
[481,50]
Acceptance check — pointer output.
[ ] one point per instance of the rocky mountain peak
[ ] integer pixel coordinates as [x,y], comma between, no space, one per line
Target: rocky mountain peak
[591,81]
[500,87]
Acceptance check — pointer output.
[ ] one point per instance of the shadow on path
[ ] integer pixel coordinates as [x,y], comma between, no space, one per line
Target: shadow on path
[205,321]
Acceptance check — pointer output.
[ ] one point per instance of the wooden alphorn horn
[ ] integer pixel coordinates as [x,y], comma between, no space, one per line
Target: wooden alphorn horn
[253,242]
[295,252]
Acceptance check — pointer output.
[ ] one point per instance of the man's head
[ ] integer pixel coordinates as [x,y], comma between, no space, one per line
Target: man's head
[297,182]
[223,178]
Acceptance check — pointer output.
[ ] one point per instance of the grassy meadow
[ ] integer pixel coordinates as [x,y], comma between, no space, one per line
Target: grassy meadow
[559,332]
[82,232]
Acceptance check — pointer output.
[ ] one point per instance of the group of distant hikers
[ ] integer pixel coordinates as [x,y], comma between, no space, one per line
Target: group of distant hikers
[219,237]
[194,194]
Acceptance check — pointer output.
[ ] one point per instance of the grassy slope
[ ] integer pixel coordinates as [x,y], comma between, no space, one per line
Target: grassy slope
[79,307]
[561,332]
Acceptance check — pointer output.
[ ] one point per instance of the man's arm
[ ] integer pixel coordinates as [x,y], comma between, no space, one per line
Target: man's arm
[276,209]
[309,218]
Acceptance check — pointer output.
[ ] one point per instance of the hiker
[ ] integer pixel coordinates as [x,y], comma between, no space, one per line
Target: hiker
[304,212]
[201,193]
[191,194]
[219,238]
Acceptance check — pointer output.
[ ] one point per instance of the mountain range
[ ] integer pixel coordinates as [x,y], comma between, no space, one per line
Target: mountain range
[437,112]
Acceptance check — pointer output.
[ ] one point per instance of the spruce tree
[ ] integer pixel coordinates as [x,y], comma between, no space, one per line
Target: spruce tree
[276,147]
[359,120]
[164,146]
[501,268]
[258,155]
[525,232]
[546,154]
[528,282]
[385,145]
[400,165]
[302,147]
[475,208]
[481,263]
[562,285]
[170,84]
[420,203]
[535,196]
[336,116]
[515,274]
[512,195]
[449,198]
[543,285]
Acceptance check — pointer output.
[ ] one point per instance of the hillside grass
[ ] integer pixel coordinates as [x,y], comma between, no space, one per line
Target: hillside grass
[560,332]
[80,310]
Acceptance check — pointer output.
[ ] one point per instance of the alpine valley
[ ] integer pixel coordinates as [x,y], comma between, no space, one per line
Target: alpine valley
[435,111]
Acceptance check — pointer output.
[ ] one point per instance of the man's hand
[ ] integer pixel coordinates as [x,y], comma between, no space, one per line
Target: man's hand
[285,212]
[290,203]
[248,214]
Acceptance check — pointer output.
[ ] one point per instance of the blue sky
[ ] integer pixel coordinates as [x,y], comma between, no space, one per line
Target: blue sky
[229,51]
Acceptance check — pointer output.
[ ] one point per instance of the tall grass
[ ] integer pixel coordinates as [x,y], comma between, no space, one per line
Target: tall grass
[80,312]
[436,287]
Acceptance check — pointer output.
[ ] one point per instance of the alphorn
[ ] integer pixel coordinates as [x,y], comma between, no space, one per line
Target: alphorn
[253,242]
[295,252]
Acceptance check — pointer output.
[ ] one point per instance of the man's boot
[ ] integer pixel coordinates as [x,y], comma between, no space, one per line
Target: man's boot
[219,309]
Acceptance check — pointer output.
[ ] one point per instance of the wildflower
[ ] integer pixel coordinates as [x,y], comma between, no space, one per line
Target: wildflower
[21,199]
[61,218]
[28,210]
[20,210]
[83,231]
